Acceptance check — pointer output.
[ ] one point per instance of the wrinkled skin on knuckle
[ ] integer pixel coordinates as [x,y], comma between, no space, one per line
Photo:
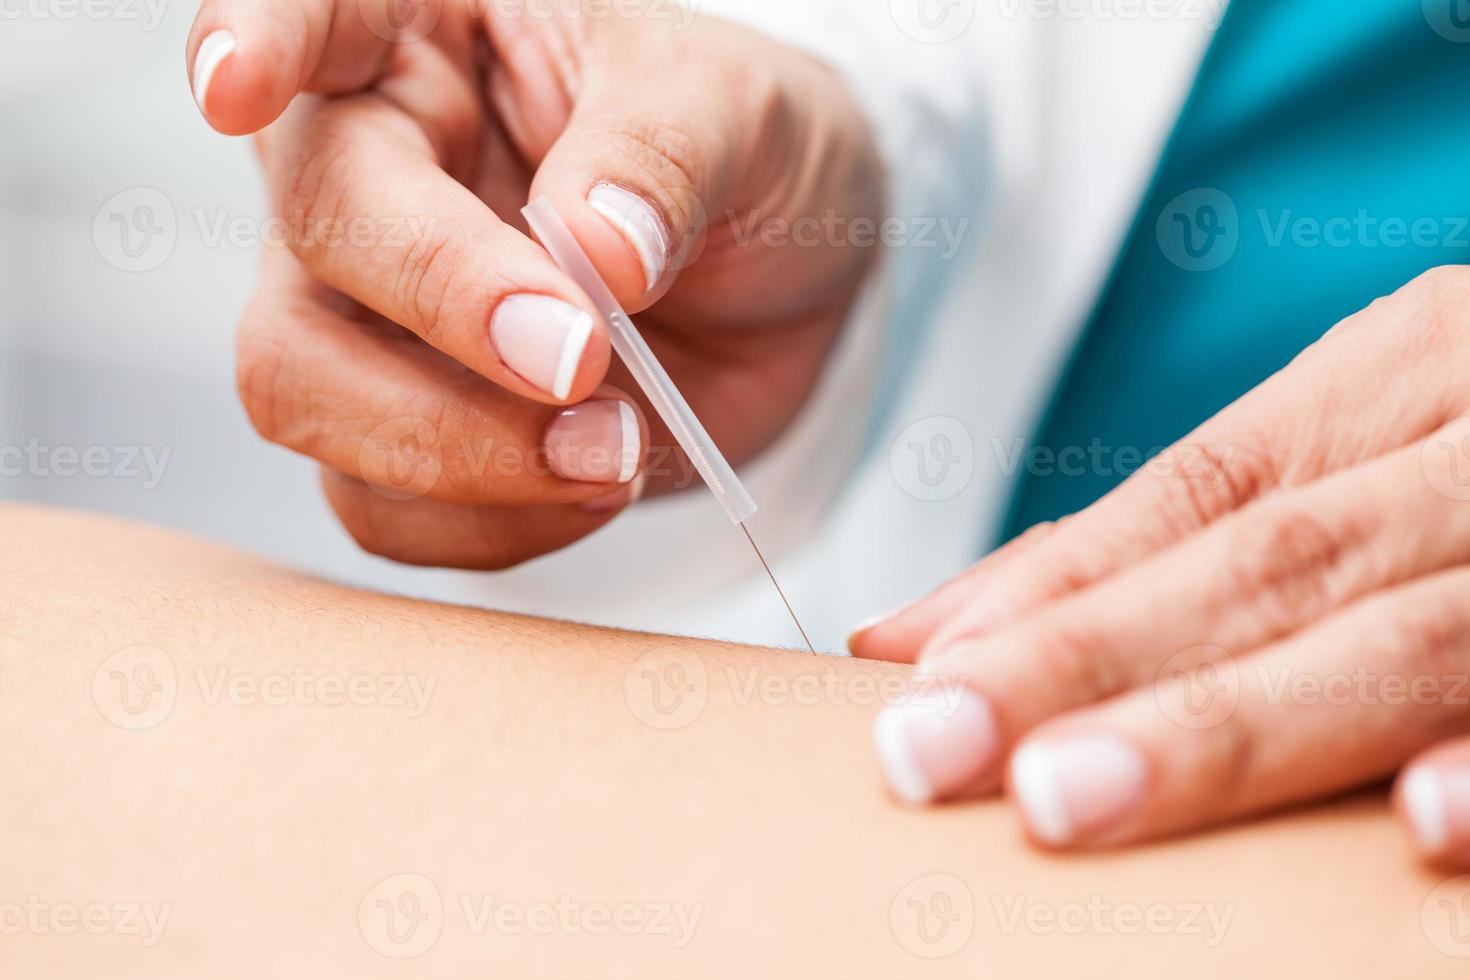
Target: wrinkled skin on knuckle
[1083,657]
[1416,339]
[667,154]
[1285,565]
[314,194]
[424,282]
[1429,314]
[1424,638]
[1236,752]
[471,460]
[1200,482]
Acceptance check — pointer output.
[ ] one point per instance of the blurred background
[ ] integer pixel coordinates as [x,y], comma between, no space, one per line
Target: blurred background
[129,234]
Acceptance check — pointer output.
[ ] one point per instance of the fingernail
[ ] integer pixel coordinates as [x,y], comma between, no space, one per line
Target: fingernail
[597,441]
[637,221]
[1424,802]
[541,339]
[213,50]
[1077,787]
[933,746]
[618,499]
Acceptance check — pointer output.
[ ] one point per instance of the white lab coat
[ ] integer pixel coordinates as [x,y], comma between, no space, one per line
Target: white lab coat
[1038,124]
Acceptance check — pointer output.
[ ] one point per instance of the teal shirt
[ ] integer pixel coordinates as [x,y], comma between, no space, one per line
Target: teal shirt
[1322,160]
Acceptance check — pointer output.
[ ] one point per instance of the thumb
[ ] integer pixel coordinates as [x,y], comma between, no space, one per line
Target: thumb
[248,58]
[649,150]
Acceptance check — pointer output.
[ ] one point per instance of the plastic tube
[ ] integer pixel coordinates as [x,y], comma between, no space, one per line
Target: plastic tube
[645,368]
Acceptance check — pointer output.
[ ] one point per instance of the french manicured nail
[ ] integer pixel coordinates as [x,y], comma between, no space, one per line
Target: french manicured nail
[541,339]
[213,50]
[1078,787]
[1427,809]
[936,744]
[637,221]
[597,441]
[618,499]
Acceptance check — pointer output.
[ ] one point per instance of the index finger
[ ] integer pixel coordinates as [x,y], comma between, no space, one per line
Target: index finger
[373,214]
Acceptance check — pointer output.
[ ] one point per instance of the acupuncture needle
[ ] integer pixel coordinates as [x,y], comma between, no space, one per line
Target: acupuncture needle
[711,464]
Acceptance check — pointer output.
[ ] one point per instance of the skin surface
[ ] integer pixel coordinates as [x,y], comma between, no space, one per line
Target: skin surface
[530,773]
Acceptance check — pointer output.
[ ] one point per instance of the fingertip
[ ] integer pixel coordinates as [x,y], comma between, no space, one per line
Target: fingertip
[602,440]
[619,500]
[1432,800]
[941,743]
[640,229]
[590,369]
[1422,807]
[558,350]
[237,85]
[623,236]
[212,52]
[1078,789]
[873,639]
[888,636]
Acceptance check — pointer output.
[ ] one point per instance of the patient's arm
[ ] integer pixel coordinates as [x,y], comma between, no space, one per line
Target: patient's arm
[312,781]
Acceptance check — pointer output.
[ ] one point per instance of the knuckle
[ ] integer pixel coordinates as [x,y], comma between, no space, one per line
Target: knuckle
[1033,535]
[1236,757]
[1425,635]
[1202,482]
[468,460]
[664,153]
[314,196]
[1285,563]
[424,282]
[1431,311]
[768,104]
[1083,659]
[1065,563]
[1443,285]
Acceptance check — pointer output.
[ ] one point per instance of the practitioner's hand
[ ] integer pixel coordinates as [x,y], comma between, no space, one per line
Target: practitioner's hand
[417,343]
[1275,610]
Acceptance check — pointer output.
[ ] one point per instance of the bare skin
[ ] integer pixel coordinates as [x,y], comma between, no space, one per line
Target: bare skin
[324,753]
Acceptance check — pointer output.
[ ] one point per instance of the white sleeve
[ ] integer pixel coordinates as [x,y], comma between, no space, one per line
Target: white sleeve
[914,67]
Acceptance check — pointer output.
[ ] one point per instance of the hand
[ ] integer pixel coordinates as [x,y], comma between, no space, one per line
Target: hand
[1276,609]
[417,343]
